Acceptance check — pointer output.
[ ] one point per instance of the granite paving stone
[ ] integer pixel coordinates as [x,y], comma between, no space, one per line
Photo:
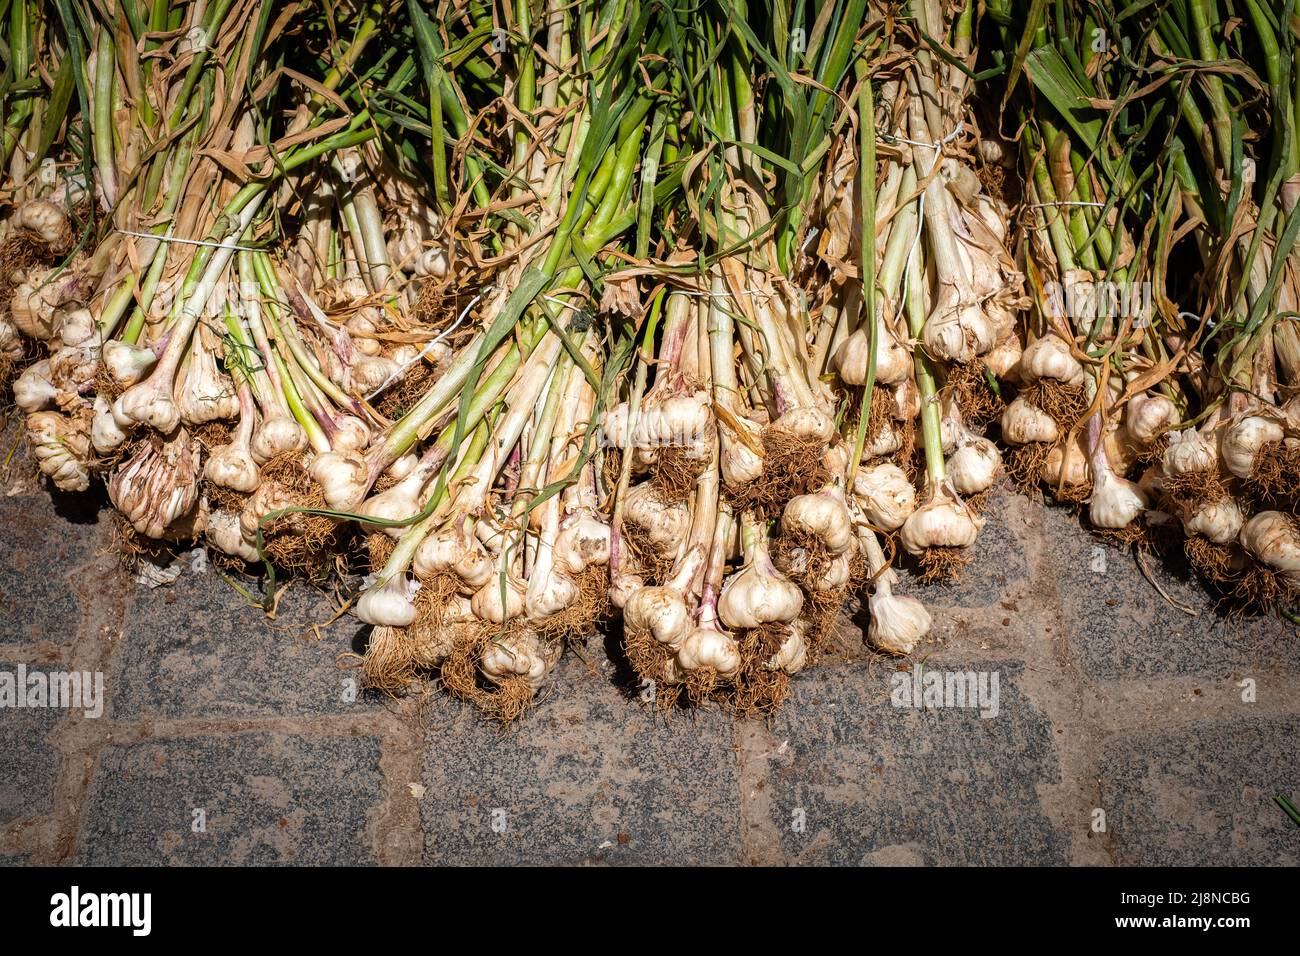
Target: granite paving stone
[265,798]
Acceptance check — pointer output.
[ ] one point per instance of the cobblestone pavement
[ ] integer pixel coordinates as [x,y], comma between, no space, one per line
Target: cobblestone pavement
[1125,731]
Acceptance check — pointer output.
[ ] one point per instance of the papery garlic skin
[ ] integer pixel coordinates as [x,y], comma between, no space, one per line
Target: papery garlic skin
[1049,357]
[1115,502]
[957,330]
[455,550]
[1188,452]
[810,424]
[275,436]
[392,605]
[898,623]
[519,654]
[665,526]
[223,533]
[1023,423]
[1271,538]
[61,447]
[584,541]
[852,358]
[1218,521]
[1004,359]
[158,486]
[885,495]
[490,604]
[823,516]
[1241,442]
[231,466]
[1147,417]
[127,364]
[662,612]
[709,647]
[105,434]
[759,594]
[792,655]
[343,478]
[940,523]
[351,434]
[973,466]
[33,390]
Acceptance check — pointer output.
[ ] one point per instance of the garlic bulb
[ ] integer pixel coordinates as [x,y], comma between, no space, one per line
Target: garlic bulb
[62,448]
[224,534]
[811,424]
[664,526]
[708,647]
[33,390]
[678,420]
[275,436]
[204,393]
[1004,359]
[519,654]
[662,612]
[127,364]
[105,433]
[792,656]
[1219,521]
[401,501]
[885,495]
[362,330]
[1023,423]
[898,623]
[972,467]
[350,434]
[1115,501]
[343,478]
[1146,417]
[47,220]
[1188,452]
[758,593]
[740,464]
[455,550]
[1066,469]
[231,466]
[852,358]
[372,372]
[146,403]
[1243,440]
[583,542]
[158,486]
[823,516]
[499,601]
[1049,358]
[389,605]
[76,326]
[940,522]
[887,441]
[1271,538]
[957,330]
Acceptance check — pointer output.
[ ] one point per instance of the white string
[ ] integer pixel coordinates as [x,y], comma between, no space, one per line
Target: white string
[1076,202]
[401,370]
[920,205]
[190,242]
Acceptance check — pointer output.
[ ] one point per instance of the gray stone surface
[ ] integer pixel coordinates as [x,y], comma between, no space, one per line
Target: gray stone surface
[1203,794]
[1124,628]
[198,648]
[40,552]
[29,763]
[269,798]
[590,777]
[873,783]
